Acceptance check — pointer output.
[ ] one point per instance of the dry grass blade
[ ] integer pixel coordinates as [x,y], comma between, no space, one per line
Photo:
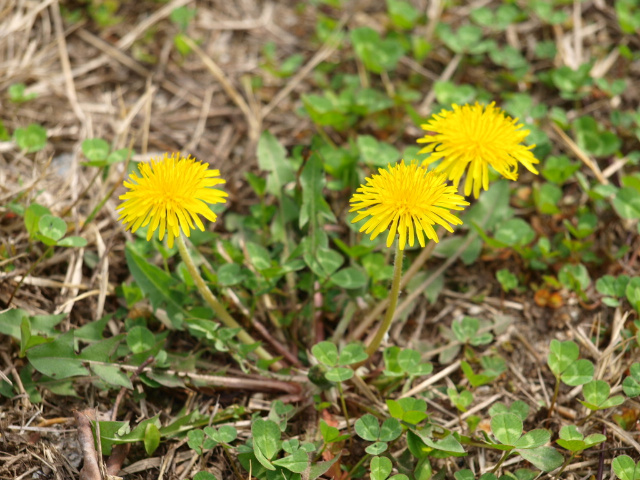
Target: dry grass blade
[253,118]
[578,152]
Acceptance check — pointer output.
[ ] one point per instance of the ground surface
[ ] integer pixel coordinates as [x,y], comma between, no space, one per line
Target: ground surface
[121,78]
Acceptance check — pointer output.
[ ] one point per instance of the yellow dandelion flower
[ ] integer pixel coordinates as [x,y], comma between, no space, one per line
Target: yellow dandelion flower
[409,200]
[473,137]
[169,196]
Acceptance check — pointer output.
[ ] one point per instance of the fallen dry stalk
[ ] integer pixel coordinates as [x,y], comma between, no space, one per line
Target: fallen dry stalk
[116,459]
[91,468]
[236,383]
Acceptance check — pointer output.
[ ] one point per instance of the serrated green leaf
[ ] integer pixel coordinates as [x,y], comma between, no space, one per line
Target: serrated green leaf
[533,439]
[266,439]
[423,470]
[57,359]
[225,434]
[390,430]
[476,380]
[11,320]
[52,227]
[95,149]
[339,374]
[408,359]
[561,355]
[574,277]
[377,154]
[73,241]
[612,402]
[380,468]
[352,353]
[204,476]
[612,286]
[32,216]
[330,434]
[312,180]
[507,428]
[578,373]
[465,328]
[102,350]
[258,255]
[368,428]
[157,285]
[112,375]
[448,444]
[377,54]
[544,458]
[631,384]
[140,339]
[625,468]
[151,438]
[632,292]
[350,278]
[272,158]
[326,353]
[399,476]
[32,138]
[318,469]
[515,232]
[594,439]
[402,14]
[376,448]
[296,462]
[627,203]
[492,208]
[596,392]
[464,474]
[572,445]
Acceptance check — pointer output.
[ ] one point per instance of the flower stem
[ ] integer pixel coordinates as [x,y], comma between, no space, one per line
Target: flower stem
[393,301]
[501,461]
[346,414]
[216,306]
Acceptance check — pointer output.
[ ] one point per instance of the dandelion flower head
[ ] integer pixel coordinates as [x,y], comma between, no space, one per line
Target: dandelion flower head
[472,137]
[409,200]
[169,196]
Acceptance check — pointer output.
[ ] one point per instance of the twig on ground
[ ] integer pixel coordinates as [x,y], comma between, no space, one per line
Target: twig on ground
[236,383]
[91,468]
[578,152]
[116,459]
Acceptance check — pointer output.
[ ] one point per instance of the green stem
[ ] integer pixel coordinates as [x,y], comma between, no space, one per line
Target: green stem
[393,301]
[556,391]
[346,414]
[587,417]
[216,306]
[357,465]
[99,206]
[564,465]
[501,461]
